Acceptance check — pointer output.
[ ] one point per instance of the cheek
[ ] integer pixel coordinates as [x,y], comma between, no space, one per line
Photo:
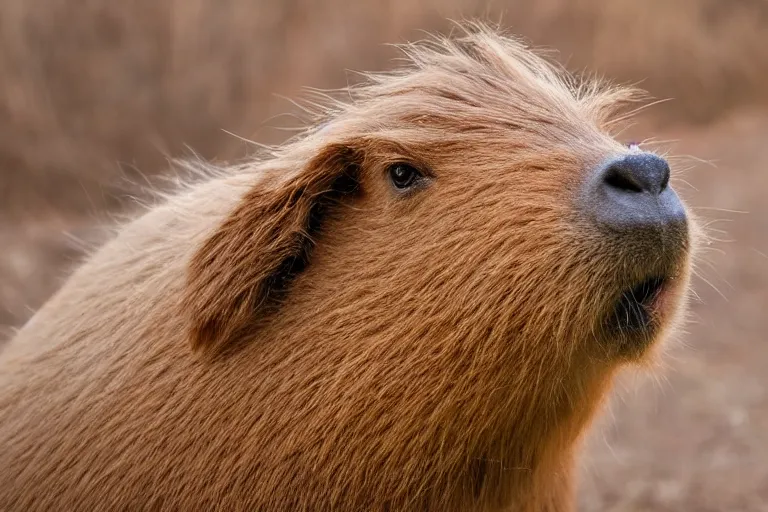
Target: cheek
[483,239]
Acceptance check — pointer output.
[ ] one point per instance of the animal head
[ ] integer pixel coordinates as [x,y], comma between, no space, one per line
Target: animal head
[469,211]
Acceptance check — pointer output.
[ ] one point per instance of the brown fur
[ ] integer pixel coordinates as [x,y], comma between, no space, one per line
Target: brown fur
[355,348]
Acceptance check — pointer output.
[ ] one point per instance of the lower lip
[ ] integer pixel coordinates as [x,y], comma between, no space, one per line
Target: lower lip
[661,301]
[648,314]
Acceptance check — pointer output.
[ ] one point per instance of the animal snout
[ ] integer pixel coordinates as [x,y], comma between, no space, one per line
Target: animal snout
[632,193]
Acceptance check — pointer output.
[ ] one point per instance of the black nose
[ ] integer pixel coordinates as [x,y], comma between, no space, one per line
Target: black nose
[633,192]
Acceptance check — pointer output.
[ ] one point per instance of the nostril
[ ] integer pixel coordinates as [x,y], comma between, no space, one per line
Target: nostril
[636,173]
[618,178]
[665,181]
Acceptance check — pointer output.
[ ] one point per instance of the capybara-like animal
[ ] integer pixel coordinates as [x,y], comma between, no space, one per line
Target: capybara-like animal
[418,304]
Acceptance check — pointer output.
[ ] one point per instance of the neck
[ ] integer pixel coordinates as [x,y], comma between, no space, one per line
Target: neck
[544,446]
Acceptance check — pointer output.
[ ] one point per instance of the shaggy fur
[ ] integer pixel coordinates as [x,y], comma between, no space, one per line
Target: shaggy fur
[296,334]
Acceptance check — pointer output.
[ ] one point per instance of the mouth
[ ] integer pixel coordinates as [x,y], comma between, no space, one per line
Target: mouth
[639,308]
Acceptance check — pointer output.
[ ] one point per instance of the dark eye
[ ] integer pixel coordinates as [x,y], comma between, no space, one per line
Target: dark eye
[403,175]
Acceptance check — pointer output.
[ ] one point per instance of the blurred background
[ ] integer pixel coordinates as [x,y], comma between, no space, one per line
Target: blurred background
[95,96]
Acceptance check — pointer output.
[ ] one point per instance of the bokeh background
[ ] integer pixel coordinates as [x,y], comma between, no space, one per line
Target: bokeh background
[96,95]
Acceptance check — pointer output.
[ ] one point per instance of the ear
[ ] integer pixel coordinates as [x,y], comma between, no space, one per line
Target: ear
[241,270]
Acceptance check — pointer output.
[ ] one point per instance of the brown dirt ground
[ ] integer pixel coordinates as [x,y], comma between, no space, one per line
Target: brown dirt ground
[94,98]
